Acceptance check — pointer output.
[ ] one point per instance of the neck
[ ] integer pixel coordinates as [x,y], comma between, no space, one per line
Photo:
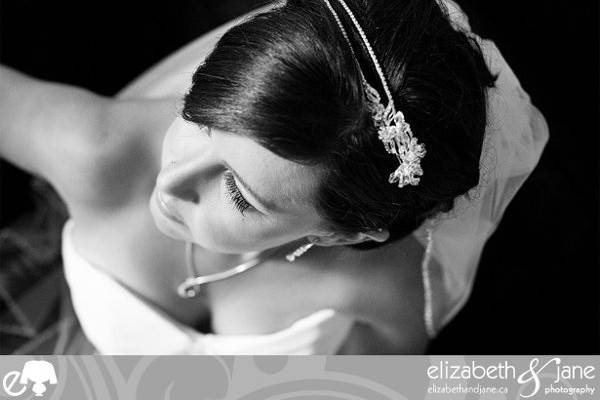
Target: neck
[208,262]
[192,286]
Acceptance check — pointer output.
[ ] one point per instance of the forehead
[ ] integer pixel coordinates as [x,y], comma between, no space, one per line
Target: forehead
[290,186]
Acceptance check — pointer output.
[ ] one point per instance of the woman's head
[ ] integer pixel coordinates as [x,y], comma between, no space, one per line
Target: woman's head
[282,96]
[230,193]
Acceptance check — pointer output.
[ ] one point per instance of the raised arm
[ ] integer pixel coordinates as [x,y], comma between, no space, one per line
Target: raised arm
[40,121]
[75,139]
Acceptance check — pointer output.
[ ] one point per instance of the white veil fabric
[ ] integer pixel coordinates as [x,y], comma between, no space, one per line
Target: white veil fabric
[514,141]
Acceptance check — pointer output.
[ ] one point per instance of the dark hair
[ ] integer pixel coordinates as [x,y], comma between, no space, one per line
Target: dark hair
[286,78]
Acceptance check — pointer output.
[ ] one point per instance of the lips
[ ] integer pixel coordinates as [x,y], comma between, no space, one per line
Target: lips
[165,210]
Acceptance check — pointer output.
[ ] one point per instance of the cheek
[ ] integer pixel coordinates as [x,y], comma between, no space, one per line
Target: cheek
[219,227]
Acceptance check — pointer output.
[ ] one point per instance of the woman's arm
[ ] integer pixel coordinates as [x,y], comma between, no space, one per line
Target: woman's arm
[52,130]
[81,142]
[43,122]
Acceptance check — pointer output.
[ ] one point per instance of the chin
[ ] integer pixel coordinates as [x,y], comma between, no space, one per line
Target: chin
[179,231]
[169,231]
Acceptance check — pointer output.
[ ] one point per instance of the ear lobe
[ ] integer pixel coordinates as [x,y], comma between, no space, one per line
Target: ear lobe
[339,239]
[380,235]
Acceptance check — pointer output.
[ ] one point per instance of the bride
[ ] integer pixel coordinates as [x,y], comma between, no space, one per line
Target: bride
[318,177]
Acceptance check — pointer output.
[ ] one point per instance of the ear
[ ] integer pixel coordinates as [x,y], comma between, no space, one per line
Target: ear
[340,239]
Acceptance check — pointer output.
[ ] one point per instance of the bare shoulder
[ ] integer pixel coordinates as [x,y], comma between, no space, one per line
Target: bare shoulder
[384,293]
[111,164]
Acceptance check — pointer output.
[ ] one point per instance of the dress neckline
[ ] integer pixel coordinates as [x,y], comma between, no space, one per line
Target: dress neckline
[117,321]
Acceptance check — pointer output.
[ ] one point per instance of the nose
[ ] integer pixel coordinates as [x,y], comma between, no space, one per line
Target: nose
[185,178]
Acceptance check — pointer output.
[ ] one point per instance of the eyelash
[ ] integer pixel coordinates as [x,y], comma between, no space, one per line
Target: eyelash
[233,193]
[235,196]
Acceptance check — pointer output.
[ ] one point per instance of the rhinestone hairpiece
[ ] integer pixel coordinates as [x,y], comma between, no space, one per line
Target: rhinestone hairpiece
[393,130]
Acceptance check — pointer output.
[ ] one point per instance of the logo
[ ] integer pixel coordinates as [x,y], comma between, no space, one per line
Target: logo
[494,378]
[15,383]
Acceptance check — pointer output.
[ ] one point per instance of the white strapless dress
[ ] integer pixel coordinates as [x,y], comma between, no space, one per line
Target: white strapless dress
[117,321]
[515,138]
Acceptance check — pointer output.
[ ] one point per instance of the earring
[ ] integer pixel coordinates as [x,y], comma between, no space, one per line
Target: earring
[299,251]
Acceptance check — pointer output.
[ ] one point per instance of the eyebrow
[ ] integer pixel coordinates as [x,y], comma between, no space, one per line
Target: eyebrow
[267,205]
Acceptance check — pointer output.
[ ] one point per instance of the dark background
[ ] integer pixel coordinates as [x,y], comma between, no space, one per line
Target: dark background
[536,291]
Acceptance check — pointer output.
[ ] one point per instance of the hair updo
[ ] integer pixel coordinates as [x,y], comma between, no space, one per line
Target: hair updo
[287,79]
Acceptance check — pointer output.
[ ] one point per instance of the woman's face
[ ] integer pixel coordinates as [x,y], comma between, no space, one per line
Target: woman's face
[229,194]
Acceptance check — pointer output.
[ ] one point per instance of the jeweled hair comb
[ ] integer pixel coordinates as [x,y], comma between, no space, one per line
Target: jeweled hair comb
[393,130]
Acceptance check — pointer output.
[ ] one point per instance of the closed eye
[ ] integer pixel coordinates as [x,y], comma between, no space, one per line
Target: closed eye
[235,196]
[231,179]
